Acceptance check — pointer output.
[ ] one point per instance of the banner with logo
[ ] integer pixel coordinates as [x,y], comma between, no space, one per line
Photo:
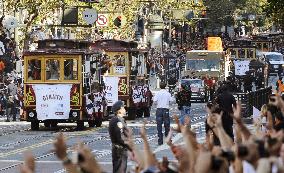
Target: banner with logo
[52,101]
[111,84]
[241,67]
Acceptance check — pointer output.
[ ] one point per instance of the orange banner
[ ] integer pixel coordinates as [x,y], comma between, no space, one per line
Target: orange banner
[214,44]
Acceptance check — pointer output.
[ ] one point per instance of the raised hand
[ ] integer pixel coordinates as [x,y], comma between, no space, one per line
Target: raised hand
[143,133]
[187,121]
[88,161]
[29,165]
[218,123]
[60,147]
[169,137]
[277,100]
[237,115]
[176,119]
[210,121]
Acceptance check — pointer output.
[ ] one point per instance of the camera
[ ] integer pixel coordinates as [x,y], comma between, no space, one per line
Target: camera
[216,163]
[229,155]
[242,151]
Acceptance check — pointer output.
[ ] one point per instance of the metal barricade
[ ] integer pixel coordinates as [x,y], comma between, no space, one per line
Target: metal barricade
[253,99]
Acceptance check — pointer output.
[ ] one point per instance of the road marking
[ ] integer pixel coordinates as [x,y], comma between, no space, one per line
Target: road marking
[2,155]
[49,141]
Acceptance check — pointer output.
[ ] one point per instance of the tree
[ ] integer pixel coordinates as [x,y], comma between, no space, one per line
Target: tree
[274,9]
[219,13]
[38,11]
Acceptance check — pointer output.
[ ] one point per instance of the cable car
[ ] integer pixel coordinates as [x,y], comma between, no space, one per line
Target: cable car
[57,82]
[126,63]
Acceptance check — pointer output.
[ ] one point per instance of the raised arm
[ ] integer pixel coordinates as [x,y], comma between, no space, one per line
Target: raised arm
[149,159]
[191,147]
[61,152]
[237,117]
[225,140]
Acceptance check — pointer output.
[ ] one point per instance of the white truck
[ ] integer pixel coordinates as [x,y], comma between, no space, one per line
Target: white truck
[275,62]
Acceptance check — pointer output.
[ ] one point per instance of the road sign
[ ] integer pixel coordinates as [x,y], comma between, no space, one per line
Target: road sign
[103,20]
[10,22]
[90,15]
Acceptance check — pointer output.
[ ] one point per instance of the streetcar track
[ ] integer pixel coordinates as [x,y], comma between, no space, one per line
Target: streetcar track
[99,156]
[16,143]
[50,153]
[72,135]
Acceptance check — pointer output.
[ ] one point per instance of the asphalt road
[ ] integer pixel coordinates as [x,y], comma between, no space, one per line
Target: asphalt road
[16,138]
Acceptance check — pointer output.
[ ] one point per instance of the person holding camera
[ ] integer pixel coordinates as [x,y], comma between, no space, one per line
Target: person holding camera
[118,132]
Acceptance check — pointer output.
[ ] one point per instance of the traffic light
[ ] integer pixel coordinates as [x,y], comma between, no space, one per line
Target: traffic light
[70,16]
[117,21]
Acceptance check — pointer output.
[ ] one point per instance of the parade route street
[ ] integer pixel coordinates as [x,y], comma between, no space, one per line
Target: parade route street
[16,138]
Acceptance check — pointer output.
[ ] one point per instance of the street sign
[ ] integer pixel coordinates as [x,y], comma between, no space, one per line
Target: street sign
[103,20]
[90,15]
[10,22]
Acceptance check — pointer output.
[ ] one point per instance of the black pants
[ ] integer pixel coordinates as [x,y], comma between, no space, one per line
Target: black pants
[139,112]
[146,111]
[143,111]
[132,113]
[162,116]
[119,159]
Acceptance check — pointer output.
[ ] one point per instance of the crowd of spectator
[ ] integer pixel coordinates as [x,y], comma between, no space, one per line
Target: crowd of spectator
[250,151]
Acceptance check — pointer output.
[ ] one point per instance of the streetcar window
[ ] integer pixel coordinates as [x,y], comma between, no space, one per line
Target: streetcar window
[34,69]
[259,46]
[242,53]
[52,69]
[233,52]
[70,69]
[250,53]
[265,47]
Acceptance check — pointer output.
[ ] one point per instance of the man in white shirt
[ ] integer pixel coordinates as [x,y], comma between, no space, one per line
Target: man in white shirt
[163,99]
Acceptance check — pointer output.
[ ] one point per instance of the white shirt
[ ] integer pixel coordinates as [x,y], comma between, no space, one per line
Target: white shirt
[247,168]
[163,99]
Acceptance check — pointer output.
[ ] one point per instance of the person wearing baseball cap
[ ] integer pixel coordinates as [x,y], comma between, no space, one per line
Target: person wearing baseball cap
[118,132]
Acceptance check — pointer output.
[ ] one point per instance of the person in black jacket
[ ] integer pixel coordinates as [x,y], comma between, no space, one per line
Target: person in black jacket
[118,132]
[183,100]
[225,101]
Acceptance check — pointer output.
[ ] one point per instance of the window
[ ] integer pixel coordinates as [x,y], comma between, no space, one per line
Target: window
[259,46]
[120,67]
[203,65]
[52,69]
[34,69]
[250,53]
[242,53]
[70,69]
